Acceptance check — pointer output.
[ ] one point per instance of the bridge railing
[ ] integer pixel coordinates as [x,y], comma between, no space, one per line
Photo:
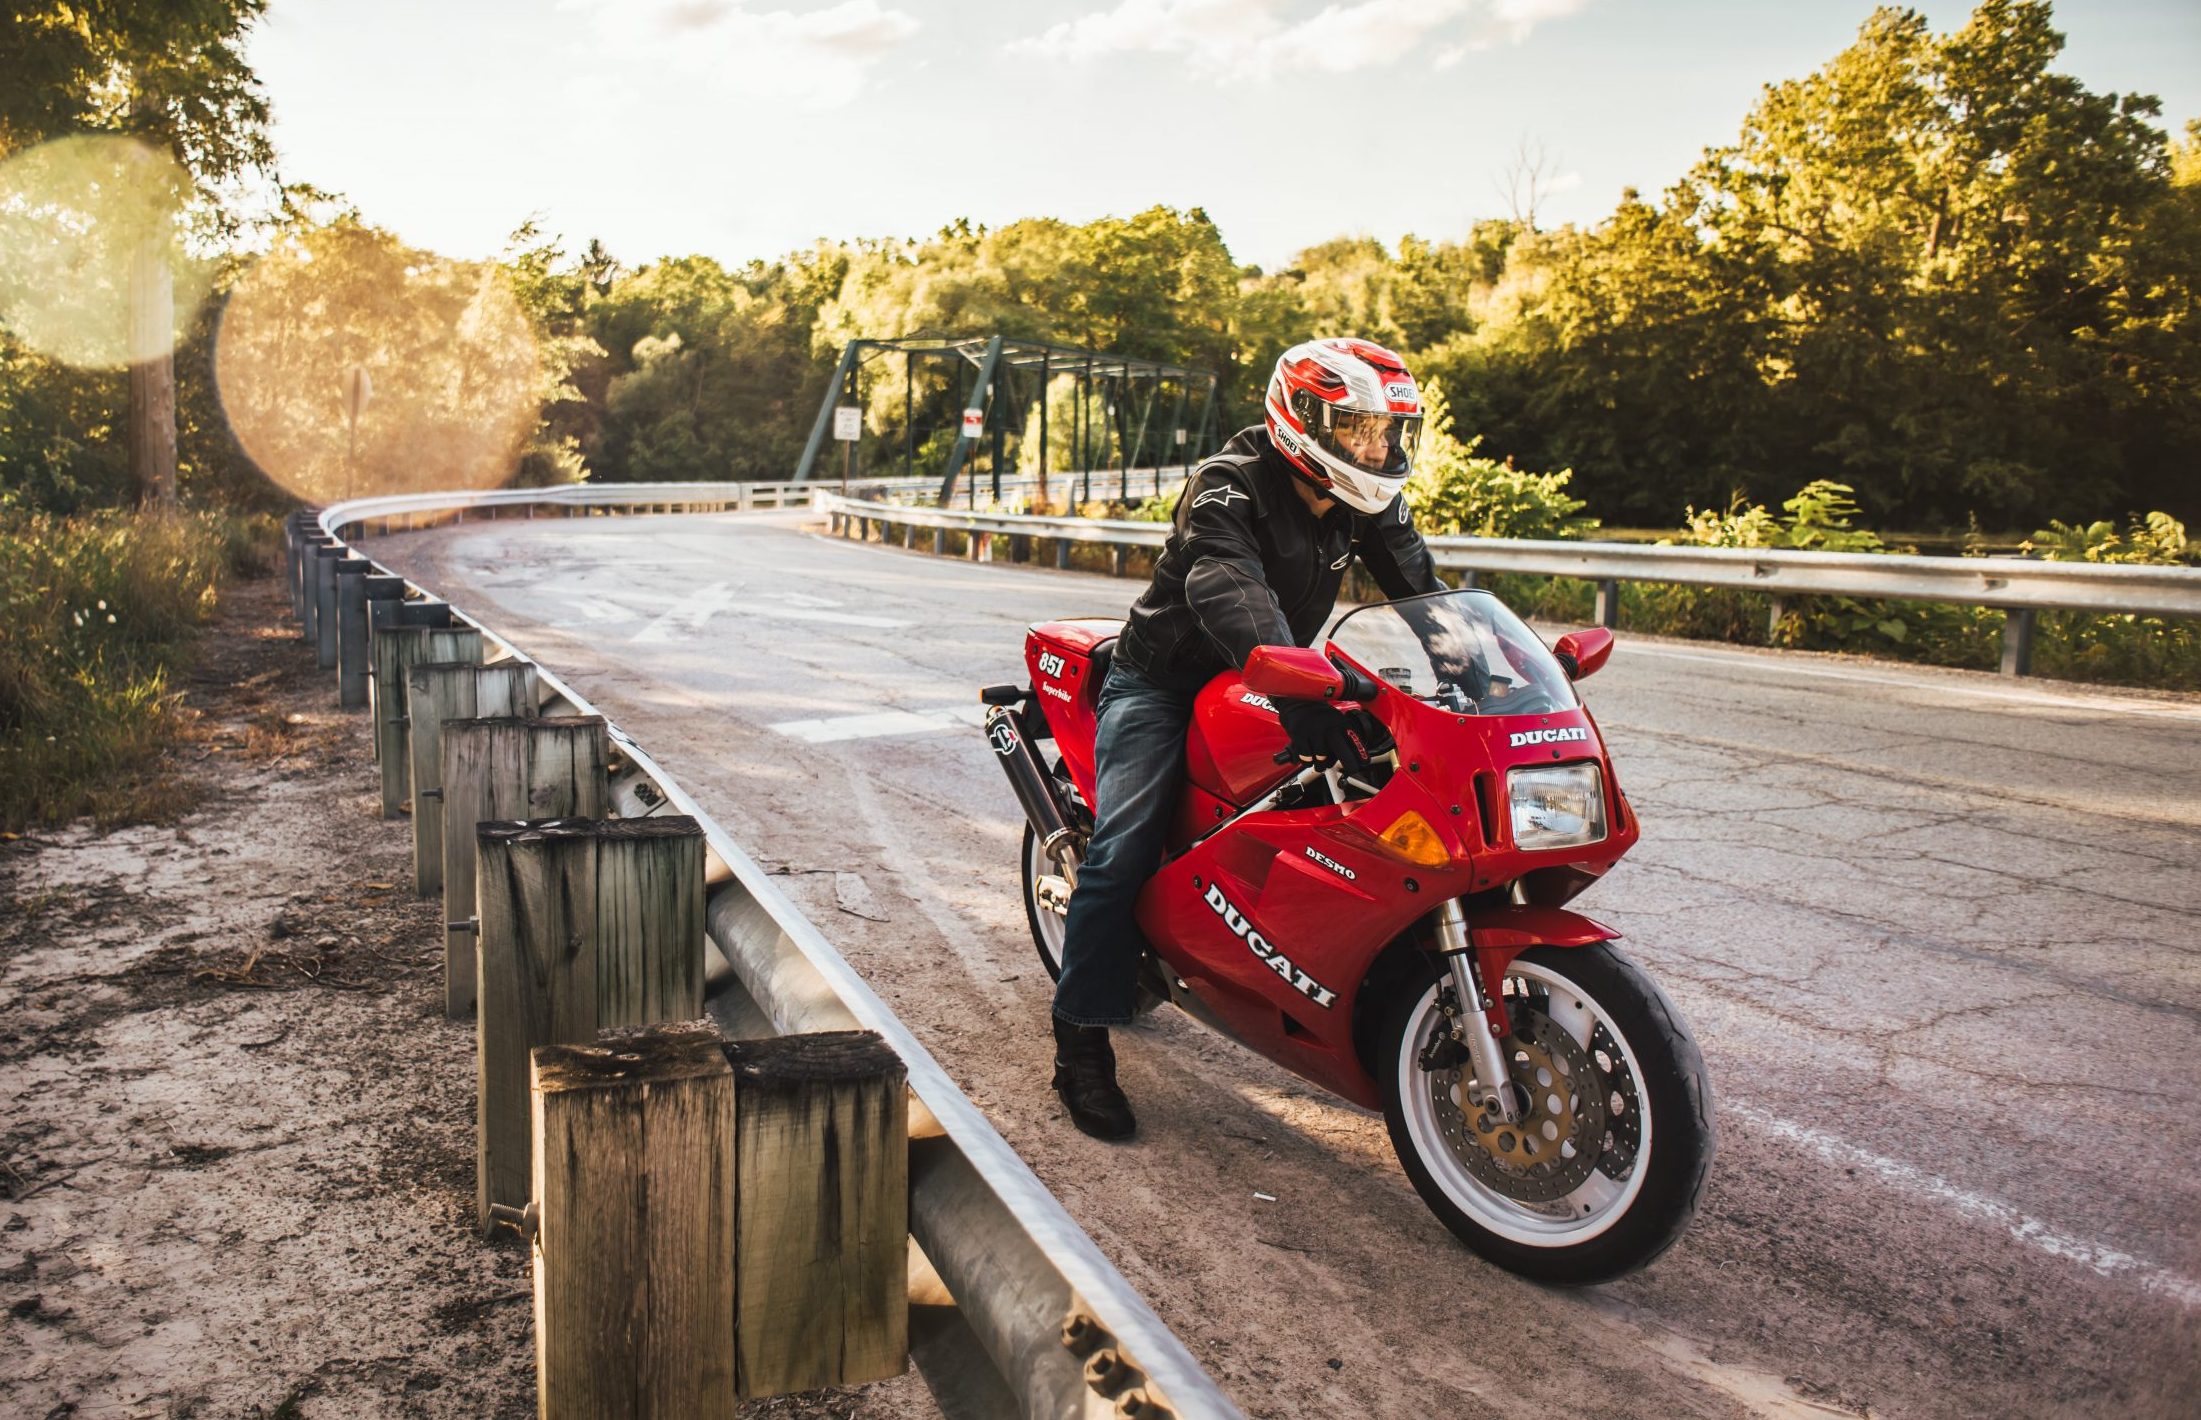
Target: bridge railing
[2017,585]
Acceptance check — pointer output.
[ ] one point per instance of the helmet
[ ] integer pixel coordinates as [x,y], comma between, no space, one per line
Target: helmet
[1346,415]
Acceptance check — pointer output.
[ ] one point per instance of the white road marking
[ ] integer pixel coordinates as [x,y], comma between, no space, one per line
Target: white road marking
[688,615]
[881,722]
[2109,705]
[2097,1257]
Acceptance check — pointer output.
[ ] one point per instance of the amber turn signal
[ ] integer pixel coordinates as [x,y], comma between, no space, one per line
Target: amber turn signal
[1411,838]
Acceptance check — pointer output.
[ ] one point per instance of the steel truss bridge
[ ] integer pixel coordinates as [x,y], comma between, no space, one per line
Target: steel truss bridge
[1126,413]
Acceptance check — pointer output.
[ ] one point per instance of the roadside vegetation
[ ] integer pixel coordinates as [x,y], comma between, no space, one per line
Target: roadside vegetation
[96,615]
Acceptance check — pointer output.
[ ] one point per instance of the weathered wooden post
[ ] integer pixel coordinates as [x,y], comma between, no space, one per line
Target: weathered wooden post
[1062,554]
[397,648]
[321,595]
[354,636]
[436,691]
[1116,557]
[507,768]
[384,613]
[347,601]
[633,1174]
[583,924]
[939,540]
[821,1226]
[302,579]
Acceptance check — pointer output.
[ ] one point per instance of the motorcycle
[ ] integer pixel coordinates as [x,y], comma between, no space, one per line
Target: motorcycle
[1401,938]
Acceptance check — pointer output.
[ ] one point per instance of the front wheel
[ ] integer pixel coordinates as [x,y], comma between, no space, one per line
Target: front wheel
[1606,1164]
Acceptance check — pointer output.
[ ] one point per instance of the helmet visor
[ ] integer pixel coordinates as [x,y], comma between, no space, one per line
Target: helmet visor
[1381,444]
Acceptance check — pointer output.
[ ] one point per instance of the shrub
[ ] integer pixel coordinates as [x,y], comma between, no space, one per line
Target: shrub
[95,612]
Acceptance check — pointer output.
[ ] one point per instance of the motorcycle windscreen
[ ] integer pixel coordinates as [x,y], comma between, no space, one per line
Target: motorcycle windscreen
[1463,650]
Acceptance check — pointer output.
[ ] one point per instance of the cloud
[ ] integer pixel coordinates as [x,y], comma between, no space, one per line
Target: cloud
[1241,38]
[820,58]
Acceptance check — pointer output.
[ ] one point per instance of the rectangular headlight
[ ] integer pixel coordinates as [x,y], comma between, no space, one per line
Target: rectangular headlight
[1556,806]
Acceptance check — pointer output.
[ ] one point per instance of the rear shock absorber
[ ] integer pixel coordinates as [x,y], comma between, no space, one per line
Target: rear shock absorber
[1034,787]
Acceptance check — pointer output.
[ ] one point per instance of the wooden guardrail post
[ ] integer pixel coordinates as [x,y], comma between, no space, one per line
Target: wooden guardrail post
[385,614]
[301,580]
[508,769]
[436,691]
[397,648]
[584,924]
[821,1225]
[358,587]
[319,569]
[633,1171]
[344,573]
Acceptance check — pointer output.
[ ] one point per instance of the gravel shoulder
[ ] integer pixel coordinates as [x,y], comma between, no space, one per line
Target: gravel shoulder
[236,1133]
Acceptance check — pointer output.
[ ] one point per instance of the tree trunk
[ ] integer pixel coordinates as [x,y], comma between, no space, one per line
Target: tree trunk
[153,373]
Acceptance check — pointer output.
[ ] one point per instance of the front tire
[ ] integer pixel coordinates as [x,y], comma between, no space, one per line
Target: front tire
[1609,1160]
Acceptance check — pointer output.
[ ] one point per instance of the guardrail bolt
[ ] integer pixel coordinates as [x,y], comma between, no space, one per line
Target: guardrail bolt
[1136,1404]
[527,1222]
[1106,1371]
[1081,1334]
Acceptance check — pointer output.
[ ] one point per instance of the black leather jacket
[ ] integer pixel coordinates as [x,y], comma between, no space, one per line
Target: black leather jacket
[1248,565]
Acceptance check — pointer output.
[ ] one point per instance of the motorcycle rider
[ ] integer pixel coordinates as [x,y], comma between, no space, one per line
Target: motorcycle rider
[1264,532]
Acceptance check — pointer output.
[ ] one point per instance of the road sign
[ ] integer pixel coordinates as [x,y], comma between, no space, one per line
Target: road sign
[974,423]
[848,422]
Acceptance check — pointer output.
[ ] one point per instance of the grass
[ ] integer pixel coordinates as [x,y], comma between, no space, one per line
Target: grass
[96,617]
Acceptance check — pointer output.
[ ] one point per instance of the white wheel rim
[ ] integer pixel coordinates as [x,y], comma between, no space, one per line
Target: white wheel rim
[1593,1207]
[1038,865]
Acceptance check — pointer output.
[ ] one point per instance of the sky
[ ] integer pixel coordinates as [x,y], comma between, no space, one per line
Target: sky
[749,128]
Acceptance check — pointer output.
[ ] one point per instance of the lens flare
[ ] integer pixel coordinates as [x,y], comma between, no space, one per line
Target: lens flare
[350,365]
[81,220]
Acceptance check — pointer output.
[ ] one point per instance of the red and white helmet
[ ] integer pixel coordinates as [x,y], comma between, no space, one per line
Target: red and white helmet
[1347,416]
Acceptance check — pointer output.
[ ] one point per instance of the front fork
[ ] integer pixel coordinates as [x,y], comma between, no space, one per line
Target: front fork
[1484,1028]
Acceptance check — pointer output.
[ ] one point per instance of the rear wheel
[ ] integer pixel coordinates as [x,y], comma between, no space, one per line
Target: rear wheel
[1046,902]
[1605,1167]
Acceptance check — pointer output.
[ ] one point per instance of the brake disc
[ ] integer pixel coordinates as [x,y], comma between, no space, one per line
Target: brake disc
[1561,1135]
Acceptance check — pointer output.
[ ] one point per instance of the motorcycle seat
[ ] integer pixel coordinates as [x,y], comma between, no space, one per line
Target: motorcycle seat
[1100,658]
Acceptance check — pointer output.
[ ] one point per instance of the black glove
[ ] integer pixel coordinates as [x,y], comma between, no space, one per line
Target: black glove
[1323,734]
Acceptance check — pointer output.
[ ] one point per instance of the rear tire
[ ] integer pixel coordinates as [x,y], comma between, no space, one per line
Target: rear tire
[1047,925]
[1613,1189]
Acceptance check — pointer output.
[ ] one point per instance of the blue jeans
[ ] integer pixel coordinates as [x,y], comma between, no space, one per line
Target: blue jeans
[1139,756]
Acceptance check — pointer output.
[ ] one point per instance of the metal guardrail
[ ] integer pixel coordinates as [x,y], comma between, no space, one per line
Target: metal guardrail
[1060,1331]
[2020,586]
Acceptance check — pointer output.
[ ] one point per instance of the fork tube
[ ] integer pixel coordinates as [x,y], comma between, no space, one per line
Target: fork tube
[1473,1023]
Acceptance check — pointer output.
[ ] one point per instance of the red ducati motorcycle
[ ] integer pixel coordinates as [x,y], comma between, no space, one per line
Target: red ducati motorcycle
[1402,939]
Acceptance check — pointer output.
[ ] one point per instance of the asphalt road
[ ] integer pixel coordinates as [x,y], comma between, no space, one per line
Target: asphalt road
[1934,930]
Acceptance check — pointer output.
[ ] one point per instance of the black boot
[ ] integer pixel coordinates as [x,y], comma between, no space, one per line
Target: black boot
[1085,1077]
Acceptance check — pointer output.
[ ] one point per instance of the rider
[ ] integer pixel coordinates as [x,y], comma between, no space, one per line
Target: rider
[1264,532]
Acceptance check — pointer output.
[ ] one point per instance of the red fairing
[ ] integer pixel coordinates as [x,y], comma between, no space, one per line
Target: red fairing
[1058,655]
[1274,923]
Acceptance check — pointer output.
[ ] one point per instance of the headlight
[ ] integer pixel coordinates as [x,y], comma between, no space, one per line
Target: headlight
[1556,806]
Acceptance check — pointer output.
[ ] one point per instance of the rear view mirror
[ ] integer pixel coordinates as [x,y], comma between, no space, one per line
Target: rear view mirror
[1584,651]
[1293,673]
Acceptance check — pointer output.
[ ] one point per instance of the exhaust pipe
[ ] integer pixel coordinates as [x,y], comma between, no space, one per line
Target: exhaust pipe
[1035,790]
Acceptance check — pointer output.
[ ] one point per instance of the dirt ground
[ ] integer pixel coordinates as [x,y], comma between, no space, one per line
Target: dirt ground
[236,1132]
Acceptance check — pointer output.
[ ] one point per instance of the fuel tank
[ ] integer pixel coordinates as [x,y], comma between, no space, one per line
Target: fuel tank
[1235,738]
